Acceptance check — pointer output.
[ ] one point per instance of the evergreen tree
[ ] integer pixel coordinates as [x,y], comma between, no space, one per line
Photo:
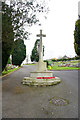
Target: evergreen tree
[14,17]
[19,52]
[77,37]
[7,34]
[35,52]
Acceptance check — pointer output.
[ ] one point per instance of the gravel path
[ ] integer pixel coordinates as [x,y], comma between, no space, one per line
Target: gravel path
[21,101]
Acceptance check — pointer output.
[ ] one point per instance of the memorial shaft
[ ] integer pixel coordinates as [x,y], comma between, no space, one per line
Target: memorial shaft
[41,46]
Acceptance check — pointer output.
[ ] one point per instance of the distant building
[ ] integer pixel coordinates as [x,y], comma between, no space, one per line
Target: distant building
[65,57]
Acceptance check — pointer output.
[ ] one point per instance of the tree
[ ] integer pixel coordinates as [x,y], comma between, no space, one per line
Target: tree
[77,37]
[53,60]
[35,51]
[26,13]
[7,34]
[15,15]
[46,63]
[19,52]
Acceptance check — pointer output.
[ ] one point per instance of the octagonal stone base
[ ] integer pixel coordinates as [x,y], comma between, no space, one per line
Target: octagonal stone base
[30,81]
[41,77]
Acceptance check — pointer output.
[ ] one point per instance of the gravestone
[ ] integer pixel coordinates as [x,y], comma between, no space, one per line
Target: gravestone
[41,76]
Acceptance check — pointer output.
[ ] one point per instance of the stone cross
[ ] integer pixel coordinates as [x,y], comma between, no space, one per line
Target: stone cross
[41,48]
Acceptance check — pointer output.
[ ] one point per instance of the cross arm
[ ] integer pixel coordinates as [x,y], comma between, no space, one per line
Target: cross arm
[38,35]
[44,35]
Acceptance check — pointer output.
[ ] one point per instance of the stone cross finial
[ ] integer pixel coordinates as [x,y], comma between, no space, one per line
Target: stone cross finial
[40,48]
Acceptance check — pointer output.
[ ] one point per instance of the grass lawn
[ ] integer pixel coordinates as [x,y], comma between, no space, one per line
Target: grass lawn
[30,64]
[8,71]
[63,68]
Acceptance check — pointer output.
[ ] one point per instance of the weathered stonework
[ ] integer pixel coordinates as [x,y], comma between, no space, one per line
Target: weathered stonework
[30,81]
[46,77]
[41,66]
[41,74]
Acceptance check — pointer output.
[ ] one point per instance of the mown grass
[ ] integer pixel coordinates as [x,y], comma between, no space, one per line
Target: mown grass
[66,62]
[63,68]
[8,71]
[30,64]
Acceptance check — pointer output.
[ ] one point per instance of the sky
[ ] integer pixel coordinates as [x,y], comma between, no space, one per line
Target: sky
[59,29]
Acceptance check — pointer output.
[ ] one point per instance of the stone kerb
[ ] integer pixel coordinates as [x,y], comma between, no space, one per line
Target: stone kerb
[41,82]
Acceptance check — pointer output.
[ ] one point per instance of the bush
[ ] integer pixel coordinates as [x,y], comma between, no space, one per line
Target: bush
[19,52]
[46,62]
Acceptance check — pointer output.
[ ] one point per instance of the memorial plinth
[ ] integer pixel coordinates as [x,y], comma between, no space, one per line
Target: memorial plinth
[41,77]
[41,66]
[41,74]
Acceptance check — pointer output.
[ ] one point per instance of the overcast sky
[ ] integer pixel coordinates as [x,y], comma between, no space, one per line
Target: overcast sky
[59,29]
